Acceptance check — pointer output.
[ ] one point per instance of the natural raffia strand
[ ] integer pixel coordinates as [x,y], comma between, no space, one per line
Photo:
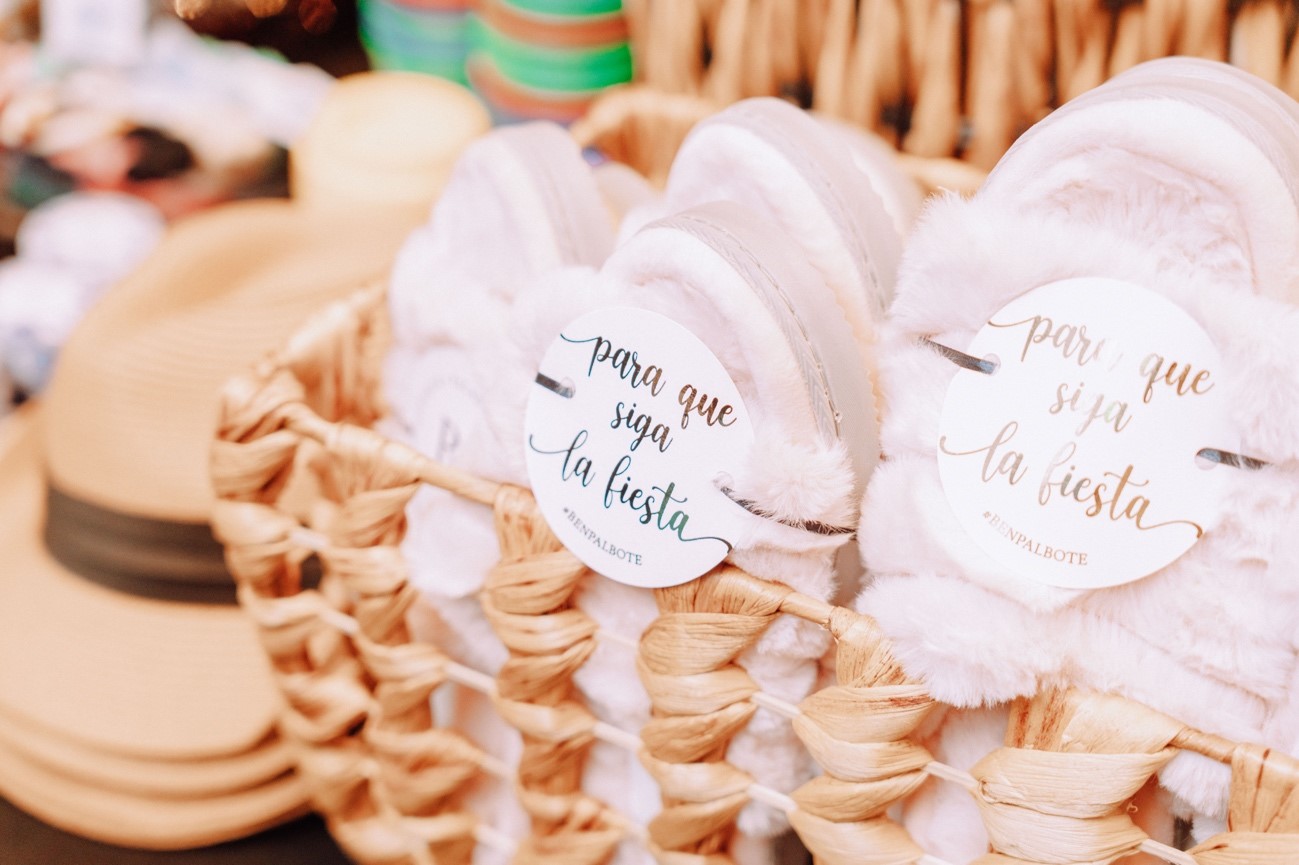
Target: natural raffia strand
[701,700]
[298,473]
[528,601]
[944,78]
[643,126]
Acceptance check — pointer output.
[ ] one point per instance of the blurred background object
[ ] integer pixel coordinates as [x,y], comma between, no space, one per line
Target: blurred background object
[56,275]
[136,708]
[936,79]
[430,36]
[315,16]
[115,119]
[383,143]
[528,59]
[942,78]
[27,841]
[191,121]
[548,59]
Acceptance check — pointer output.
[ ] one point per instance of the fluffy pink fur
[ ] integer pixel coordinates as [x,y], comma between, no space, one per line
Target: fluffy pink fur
[472,323]
[671,273]
[1210,638]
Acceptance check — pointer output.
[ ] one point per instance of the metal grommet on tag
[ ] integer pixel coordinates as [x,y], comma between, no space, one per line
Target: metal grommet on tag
[562,388]
[1214,457]
[986,365]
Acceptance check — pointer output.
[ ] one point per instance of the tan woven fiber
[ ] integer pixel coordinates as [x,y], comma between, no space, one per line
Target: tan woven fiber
[299,471]
[857,732]
[1059,791]
[386,777]
[701,699]
[946,78]
[644,127]
[368,671]
[991,96]
[1264,813]
[527,601]
[936,123]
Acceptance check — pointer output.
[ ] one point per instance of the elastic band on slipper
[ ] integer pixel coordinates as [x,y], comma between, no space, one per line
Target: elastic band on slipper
[1254,114]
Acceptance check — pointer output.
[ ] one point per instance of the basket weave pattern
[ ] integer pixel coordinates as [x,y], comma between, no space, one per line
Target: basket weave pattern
[298,472]
[944,78]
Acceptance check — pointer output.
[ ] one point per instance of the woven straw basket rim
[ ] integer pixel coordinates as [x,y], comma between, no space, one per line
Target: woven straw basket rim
[357,687]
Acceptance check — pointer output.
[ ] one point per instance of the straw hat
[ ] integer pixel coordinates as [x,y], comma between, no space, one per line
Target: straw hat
[418,123]
[28,840]
[136,706]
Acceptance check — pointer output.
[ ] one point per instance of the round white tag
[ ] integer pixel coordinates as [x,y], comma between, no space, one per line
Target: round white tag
[628,427]
[1074,463]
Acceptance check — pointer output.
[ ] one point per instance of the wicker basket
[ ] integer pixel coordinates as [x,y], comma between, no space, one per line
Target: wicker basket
[643,126]
[299,472]
[944,77]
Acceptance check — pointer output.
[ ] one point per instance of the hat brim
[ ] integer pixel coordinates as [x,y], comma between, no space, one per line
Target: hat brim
[131,676]
[155,823]
[179,778]
[299,842]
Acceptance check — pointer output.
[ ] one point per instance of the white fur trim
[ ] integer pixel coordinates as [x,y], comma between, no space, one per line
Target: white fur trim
[1209,639]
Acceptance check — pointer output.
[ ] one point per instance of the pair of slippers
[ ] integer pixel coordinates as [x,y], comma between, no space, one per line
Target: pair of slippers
[775,243]
[1181,177]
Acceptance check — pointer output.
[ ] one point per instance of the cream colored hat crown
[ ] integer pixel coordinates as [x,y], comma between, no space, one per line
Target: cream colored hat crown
[388,138]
